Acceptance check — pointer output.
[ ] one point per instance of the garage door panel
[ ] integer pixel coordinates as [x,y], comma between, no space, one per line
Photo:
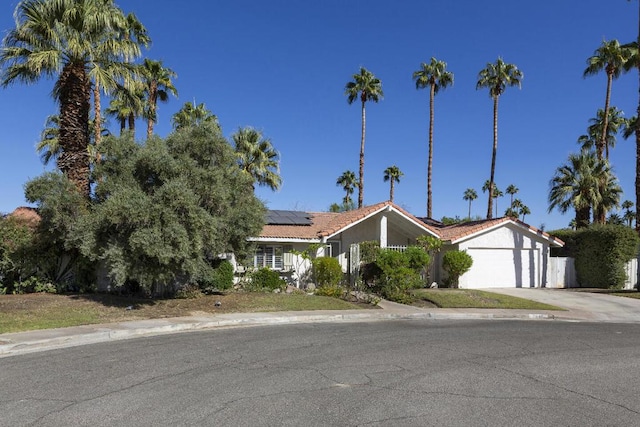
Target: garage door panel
[493,268]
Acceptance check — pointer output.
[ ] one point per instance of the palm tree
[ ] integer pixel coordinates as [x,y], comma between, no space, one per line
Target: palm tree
[633,62]
[512,190]
[108,72]
[257,157]
[366,87]
[434,76]
[157,87]
[469,195]
[610,57]
[497,77]
[577,185]
[615,123]
[192,115]
[49,144]
[348,182]
[514,209]
[628,213]
[497,193]
[392,174]
[127,104]
[492,194]
[65,38]
[524,211]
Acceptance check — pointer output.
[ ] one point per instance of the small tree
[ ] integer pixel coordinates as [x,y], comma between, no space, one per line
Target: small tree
[302,258]
[456,263]
[327,272]
[432,245]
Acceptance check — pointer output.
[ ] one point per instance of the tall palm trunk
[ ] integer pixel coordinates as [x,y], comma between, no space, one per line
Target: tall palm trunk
[123,125]
[638,137]
[605,124]
[132,122]
[391,191]
[97,123]
[75,95]
[469,210]
[493,157]
[361,172]
[600,214]
[582,217]
[153,99]
[430,165]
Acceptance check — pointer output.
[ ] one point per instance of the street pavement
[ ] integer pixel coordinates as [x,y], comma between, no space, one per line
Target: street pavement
[579,306]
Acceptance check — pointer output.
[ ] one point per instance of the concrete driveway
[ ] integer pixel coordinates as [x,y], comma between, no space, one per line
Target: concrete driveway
[582,305]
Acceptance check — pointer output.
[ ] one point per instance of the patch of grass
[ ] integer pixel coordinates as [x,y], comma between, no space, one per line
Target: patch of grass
[45,311]
[471,298]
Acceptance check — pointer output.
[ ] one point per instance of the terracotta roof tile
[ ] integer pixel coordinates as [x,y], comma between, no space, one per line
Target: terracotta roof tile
[459,231]
[327,223]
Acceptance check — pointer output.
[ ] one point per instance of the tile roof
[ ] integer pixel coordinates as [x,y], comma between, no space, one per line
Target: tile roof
[324,224]
[456,232]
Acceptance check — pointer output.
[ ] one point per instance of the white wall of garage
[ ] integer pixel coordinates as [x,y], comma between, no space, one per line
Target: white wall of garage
[507,256]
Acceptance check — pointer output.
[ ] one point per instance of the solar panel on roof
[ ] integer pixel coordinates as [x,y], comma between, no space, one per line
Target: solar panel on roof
[281,217]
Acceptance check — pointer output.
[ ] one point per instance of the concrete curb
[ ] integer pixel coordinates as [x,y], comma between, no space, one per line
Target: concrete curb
[33,341]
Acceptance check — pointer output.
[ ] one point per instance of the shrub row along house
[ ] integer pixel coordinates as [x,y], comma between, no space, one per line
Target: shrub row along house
[506,252]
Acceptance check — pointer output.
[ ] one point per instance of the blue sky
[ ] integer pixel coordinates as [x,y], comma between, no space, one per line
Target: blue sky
[281,66]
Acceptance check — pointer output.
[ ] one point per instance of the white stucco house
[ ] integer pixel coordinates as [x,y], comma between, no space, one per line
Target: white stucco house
[288,231]
[506,252]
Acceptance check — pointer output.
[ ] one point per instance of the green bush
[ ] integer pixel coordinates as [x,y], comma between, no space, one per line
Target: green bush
[394,273]
[264,278]
[601,252]
[369,251]
[330,291]
[16,251]
[418,258]
[456,263]
[33,284]
[568,236]
[223,275]
[327,271]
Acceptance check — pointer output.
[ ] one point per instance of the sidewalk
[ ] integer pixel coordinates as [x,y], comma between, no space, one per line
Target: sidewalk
[28,342]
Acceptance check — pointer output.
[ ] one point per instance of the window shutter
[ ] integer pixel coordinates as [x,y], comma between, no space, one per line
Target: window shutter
[288,257]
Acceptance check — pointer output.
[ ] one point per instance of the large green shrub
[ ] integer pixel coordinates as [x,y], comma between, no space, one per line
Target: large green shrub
[568,236]
[456,263]
[266,279]
[327,271]
[601,253]
[219,277]
[394,273]
[417,258]
[369,251]
[15,260]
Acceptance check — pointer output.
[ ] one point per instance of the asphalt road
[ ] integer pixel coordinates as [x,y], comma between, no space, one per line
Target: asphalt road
[405,373]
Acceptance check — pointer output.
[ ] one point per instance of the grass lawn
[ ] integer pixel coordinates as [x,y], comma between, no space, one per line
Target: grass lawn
[471,298]
[45,311]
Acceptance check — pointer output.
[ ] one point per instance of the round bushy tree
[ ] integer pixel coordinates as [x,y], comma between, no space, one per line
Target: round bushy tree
[456,263]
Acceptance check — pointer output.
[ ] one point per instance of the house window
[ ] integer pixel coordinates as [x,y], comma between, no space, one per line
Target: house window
[332,249]
[269,256]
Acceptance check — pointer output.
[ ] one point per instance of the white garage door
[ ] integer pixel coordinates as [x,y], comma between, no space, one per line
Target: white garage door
[499,268]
